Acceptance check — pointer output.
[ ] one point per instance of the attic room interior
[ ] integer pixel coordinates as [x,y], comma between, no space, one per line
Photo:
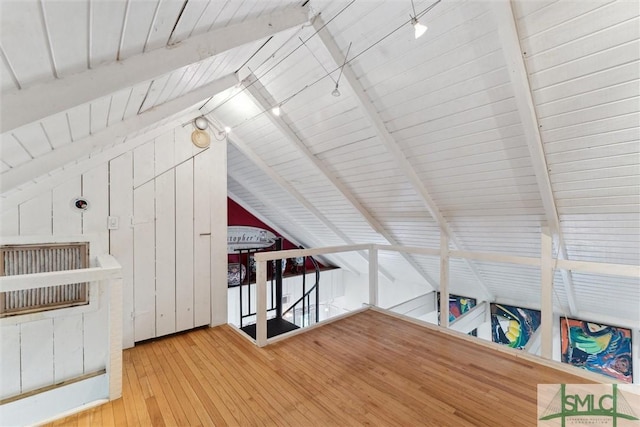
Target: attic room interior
[318,212]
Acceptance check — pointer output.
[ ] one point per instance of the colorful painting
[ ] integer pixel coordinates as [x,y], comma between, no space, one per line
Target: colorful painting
[513,326]
[598,348]
[458,305]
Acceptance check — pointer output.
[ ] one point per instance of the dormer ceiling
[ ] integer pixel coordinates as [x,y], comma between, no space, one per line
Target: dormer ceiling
[502,118]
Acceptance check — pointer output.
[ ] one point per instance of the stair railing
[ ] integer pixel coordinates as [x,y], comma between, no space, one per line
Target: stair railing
[305,299]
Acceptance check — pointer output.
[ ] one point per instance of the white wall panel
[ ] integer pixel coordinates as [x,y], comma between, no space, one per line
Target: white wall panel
[144,261]
[10,370]
[143,163]
[36,355]
[68,347]
[9,222]
[67,220]
[164,153]
[96,334]
[183,148]
[35,216]
[165,259]
[95,187]
[184,260]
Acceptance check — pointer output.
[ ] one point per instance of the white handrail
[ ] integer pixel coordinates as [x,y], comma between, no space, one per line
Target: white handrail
[262,258]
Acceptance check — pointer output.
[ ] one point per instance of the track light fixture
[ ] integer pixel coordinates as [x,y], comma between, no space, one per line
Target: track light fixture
[276,110]
[227,129]
[417,26]
[335,91]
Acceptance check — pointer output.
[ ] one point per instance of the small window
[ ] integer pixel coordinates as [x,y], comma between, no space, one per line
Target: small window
[42,258]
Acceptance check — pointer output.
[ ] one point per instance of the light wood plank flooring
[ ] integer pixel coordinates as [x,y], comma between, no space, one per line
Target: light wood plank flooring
[368,369]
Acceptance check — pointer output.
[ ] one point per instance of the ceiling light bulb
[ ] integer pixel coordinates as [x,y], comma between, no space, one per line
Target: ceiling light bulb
[419,28]
[276,110]
[201,123]
[227,129]
[336,92]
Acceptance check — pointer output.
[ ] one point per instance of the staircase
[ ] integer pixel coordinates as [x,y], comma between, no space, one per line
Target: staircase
[302,313]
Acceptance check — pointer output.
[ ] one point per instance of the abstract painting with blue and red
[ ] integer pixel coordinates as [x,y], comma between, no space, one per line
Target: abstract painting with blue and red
[597,348]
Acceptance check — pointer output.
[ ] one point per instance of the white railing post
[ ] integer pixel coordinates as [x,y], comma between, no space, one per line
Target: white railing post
[444,279]
[546,298]
[114,367]
[261,303]
[373,275]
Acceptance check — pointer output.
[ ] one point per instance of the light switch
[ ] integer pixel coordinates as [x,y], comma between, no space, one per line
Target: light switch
[113,223]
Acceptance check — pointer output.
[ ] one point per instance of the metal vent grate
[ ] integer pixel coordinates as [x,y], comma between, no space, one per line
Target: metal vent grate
[42,258]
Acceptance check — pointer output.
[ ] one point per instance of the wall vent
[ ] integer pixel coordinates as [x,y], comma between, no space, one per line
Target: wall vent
[42,258]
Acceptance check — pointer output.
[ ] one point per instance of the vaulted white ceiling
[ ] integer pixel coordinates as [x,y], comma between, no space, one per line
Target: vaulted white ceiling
[503,118]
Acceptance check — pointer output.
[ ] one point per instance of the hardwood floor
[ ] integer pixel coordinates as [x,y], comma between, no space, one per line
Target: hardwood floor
[368,369]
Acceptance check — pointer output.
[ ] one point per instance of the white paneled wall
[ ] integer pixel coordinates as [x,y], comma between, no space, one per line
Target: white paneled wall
[43,351]
[158,194]
[160,198]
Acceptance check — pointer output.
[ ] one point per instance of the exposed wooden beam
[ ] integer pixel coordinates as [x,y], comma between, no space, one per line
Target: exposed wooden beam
[25,106]
[510,41]
[261,96]
[110,135]
[389,141]
[244,148]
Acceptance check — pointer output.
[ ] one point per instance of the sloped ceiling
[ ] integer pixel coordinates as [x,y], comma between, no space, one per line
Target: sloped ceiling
[503,118]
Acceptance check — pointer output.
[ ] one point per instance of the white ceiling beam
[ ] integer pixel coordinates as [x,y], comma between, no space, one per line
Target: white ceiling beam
[24,106]
[49,182]
[244,148]
[110,135]
[510,41]
[263,99]
[390,143]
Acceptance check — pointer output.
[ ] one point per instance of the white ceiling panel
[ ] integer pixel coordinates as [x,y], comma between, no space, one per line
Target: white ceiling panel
[426,134]
[25,43]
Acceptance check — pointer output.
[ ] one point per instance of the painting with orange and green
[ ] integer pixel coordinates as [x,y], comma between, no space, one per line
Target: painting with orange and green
[598,348]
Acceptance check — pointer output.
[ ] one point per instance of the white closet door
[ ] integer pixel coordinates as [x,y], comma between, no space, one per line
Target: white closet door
[165,254]
[202,244]
[144,243]
[184,246]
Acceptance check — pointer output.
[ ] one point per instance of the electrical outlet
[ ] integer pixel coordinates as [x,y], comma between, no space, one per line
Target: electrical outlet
[113,223]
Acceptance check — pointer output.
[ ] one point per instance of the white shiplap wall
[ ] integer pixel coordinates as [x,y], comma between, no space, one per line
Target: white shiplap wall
[42,352]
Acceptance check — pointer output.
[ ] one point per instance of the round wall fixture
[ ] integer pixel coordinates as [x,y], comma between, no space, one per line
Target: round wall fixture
[80,204]
[200,138]
[201,123]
